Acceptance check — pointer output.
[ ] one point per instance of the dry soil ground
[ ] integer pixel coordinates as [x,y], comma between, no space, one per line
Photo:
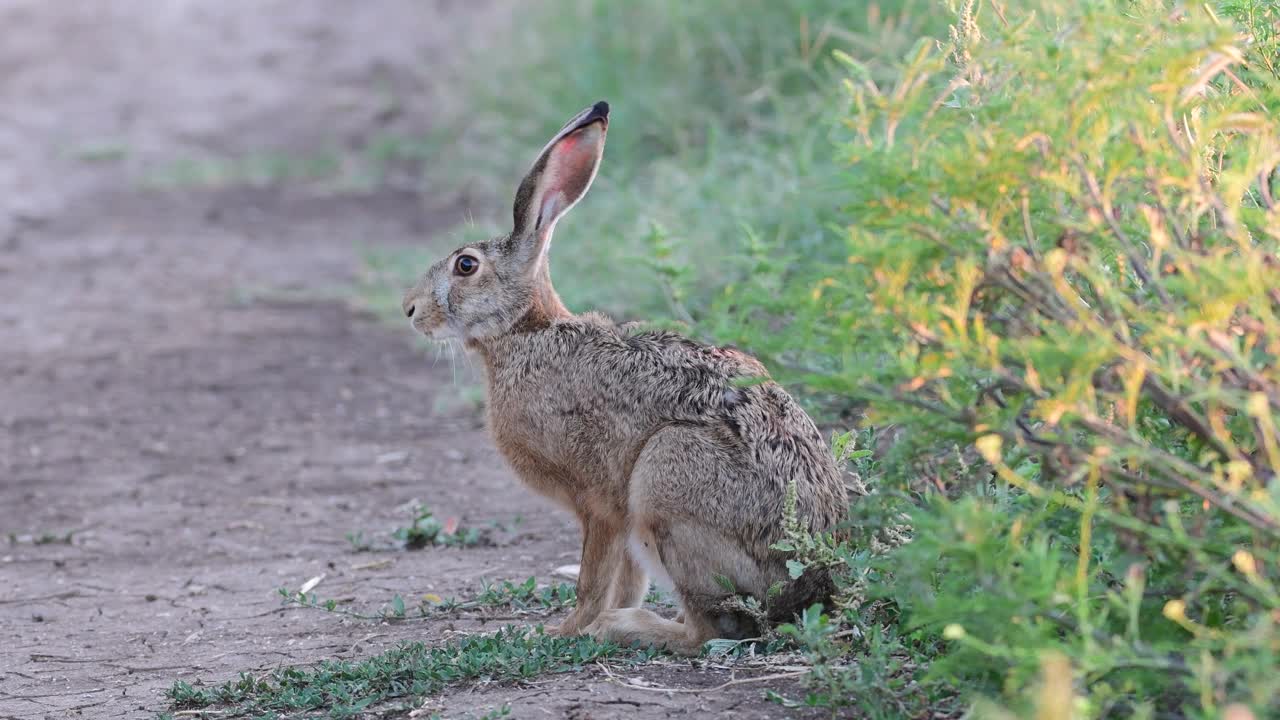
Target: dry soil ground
[181,391]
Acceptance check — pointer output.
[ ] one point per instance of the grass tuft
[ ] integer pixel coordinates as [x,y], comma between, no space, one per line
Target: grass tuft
[407,675]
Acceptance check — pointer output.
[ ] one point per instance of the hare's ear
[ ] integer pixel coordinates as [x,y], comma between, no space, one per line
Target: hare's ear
[558,179]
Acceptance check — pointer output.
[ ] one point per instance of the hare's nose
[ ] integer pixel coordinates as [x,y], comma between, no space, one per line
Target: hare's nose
[410,300]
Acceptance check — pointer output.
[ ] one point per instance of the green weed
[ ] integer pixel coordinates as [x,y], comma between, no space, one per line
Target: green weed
[425,530]
[872,671]
[521,597]
[405,675]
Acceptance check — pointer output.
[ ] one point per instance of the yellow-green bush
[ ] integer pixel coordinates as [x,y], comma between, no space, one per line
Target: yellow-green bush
[1061,283]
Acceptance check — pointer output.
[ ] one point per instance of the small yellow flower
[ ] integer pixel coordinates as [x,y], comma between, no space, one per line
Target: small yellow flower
[1055,260]
[1033,377]
[989,447]
[1175,610]
[432,598]
[1237,472]
[1245,562]
[953,632]
[1257,405]
[822,284]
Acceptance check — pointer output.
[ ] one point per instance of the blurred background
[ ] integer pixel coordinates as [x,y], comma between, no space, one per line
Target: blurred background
[441,104]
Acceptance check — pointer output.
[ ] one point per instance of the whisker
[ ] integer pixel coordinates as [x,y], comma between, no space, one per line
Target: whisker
[466,359]
[453,362]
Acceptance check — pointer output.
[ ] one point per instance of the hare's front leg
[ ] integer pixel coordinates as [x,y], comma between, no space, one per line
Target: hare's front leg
[603,551]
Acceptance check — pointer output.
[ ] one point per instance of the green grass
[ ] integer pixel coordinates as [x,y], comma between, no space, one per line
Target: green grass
[401,677]
[406,676]
[524,596]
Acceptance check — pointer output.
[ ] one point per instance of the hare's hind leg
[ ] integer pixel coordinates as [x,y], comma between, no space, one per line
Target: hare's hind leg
[694,577]
[679,503]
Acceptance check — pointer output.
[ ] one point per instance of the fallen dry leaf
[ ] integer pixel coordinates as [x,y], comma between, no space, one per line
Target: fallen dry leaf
[310,584]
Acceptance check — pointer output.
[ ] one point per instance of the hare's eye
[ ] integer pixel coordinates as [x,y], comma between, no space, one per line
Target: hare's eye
[465,265]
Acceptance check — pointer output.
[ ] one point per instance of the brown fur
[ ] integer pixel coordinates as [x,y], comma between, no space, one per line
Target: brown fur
[669,462]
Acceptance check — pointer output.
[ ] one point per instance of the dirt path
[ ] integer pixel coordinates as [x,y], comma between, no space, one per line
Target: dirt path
[204,440]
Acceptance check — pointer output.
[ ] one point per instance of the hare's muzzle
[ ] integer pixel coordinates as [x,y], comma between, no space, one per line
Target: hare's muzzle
[424,314]
[410,302]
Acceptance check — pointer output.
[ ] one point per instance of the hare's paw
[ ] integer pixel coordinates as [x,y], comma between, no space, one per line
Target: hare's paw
[637,627]
[555,631]
[603,627]
[571,627]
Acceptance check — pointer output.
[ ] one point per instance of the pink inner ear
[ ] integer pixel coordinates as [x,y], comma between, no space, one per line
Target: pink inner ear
[568,172]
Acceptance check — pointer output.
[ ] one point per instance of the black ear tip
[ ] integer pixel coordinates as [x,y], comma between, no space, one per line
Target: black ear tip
[600,109]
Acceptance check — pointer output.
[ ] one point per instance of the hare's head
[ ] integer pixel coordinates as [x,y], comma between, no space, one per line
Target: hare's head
[485,289]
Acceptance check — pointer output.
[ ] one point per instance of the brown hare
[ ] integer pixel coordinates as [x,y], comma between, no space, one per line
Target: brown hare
[676,469]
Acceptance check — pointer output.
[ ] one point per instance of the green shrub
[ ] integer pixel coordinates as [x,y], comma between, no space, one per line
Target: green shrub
[1060,282]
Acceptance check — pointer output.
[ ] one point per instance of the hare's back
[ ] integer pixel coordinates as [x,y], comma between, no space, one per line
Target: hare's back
[758,428]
